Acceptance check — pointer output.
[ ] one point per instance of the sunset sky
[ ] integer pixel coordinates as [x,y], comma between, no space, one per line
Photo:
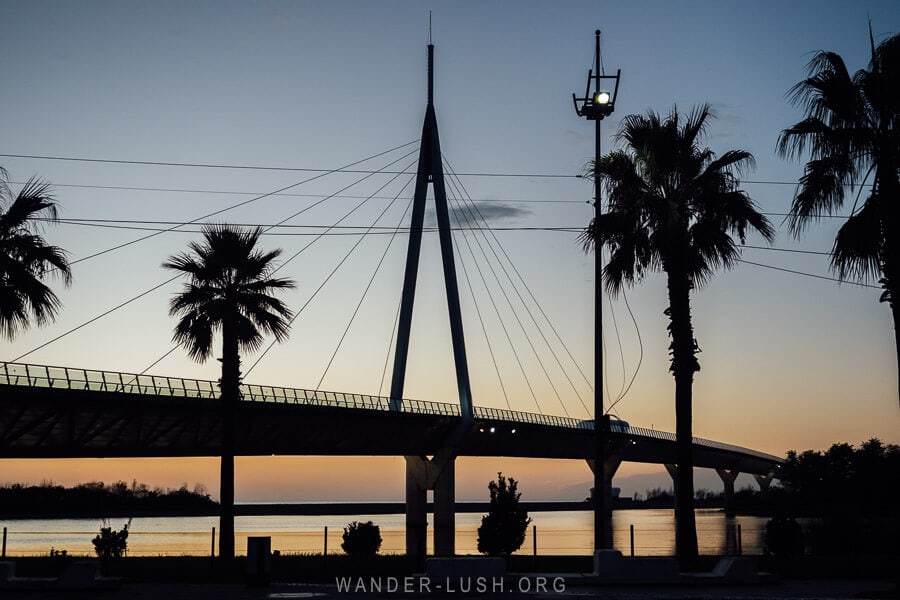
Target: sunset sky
[788,361]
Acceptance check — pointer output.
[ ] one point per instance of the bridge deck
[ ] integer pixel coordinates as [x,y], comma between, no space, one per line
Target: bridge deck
[36,393]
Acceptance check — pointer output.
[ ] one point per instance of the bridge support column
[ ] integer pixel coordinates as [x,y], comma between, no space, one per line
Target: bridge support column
[673,473]
[764,482]
[444,510]
[416,508]
[423,474]
[728,476]
[610,466]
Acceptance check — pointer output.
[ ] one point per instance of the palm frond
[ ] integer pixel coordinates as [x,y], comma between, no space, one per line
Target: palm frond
[858,246]
[229,280]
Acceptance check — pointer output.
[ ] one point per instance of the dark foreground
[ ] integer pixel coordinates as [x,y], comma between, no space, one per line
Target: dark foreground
[794,589]
[301,577]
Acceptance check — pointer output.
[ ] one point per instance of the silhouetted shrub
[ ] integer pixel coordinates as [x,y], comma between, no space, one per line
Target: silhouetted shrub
[110,543]
[502,530]
[784,537]
[361,539]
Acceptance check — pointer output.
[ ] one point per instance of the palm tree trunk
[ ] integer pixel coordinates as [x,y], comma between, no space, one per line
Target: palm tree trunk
[684,365]
[231,365]
[890,267]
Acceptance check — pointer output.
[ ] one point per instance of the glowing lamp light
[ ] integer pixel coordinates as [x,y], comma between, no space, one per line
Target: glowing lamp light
[493,429]
[601,98]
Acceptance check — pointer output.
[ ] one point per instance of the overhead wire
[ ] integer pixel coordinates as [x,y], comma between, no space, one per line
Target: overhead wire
[239,204]
[237,193]
[640,354]
[117,224]
[265,168]
[170,280]
[281,224]
[320,170]
[858,283]
[612,313]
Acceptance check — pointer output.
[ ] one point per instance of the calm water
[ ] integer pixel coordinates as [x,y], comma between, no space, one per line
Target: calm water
[558,533]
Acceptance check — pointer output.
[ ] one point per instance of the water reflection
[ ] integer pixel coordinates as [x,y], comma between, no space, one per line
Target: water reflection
[554,533]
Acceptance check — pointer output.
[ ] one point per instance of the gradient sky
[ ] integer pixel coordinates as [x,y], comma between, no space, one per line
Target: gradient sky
[788,362]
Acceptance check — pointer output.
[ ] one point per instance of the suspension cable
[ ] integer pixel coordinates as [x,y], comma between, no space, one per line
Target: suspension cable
[368,285]
[487,338]
[521,299]
[503,325]
[330,275]
[527,288]
[239,204]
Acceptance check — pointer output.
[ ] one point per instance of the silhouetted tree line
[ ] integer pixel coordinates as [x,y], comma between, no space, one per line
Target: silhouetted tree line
[97,498]
[843,480]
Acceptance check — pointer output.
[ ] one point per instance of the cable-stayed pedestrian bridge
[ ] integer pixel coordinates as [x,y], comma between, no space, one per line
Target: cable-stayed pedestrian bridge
[72,412]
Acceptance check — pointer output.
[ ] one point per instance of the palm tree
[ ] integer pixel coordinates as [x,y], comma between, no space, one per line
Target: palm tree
[26,258]
[852,131]
[228,293]
[673,207]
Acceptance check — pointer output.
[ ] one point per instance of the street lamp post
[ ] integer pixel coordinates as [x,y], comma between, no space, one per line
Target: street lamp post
[595,107]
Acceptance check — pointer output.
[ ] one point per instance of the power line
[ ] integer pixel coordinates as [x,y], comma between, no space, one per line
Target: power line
[265,168]
[350,196]
[117,224]
[353,229]
[260,197]
[640,354]
[76,328]
[793,250]
[319,170]
[808,274]
[128,188]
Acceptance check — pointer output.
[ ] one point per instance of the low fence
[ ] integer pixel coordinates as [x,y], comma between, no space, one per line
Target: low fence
[733,539]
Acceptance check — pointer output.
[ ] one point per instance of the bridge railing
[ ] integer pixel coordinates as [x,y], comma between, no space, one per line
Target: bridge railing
[130,383]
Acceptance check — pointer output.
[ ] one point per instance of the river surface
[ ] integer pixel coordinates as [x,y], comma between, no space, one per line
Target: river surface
[555,533]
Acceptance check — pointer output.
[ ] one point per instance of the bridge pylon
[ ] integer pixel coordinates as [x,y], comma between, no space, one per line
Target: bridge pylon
[430,169]
[437,473]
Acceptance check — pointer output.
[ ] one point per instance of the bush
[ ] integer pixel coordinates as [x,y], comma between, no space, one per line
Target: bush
[361,539]
[784,537]
[502,530]
[110,543]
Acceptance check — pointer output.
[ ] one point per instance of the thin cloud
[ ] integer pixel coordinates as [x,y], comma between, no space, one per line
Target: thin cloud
[489,212]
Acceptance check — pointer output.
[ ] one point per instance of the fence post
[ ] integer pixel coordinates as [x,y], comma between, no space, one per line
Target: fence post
[533,537]
[212,547]
[3,553]
[740,545]
[325,552]
[631,527]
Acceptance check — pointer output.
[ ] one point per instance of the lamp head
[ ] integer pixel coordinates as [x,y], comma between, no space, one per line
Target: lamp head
[601,98]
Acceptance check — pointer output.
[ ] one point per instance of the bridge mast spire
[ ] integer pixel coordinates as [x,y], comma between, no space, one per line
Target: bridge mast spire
[430,169]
